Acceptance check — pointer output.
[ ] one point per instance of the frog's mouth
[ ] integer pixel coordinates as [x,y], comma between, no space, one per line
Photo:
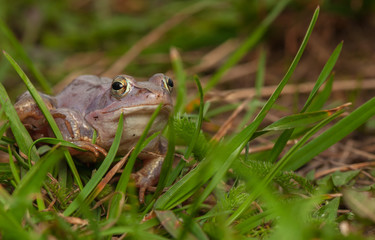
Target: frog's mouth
[144,108]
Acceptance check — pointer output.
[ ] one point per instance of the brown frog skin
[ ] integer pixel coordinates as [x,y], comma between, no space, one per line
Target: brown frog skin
[91,103]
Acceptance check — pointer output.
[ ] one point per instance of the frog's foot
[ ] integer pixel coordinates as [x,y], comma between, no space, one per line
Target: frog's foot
[94,151]
[142,184]
[148,176]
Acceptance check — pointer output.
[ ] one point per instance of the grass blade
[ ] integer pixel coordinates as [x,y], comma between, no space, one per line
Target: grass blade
[20,133]
[168,160]
[249,43]
[10,228]
[13,167]
[94,180]
[279,166]
[54,141]
[272,99]
[125,176]
[300,120]
[180,78]
[171,223]
[20,50]
[194,138]
[221,156]
[322,96]
[285,136]
[332,135]
[199,120]
[323,75]
[51,121]
[32,181]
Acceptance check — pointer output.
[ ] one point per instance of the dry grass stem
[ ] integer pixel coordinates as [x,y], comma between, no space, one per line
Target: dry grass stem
[238,94]
[215,56]
[344,168]
[112,173]
[229,122]
[267,147]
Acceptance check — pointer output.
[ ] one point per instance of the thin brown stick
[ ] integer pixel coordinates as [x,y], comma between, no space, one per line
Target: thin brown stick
[215,56]
[268,147]
[344,168]
[229,122]
[74,220]
[111,173]
[238,94]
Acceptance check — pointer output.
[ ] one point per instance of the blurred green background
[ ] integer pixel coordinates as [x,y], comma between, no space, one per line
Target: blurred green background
[68,38]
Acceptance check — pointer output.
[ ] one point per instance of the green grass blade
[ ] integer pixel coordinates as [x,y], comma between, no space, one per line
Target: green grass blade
[199,120]
[322,96]
[323,75]
[278,167]
[10,228]
[168,160]
[221,156]
[21,52]
[298,120]
[285,136]
[280,145]
[172,224]
[259,82]
[332,135]
[125,176]
[194,138]
[254,221]
[180,74]
[94,180]
[20,133]
[13,168]
[32,181]
[34,93]
[248,44]
[272,99]
[4,127]
[54,141]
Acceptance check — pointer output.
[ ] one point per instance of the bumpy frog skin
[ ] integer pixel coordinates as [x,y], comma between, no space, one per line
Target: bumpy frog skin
[91,103]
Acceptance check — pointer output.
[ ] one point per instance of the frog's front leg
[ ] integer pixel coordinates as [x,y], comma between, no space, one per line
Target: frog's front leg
[75,129]
[149,174]
[31,116]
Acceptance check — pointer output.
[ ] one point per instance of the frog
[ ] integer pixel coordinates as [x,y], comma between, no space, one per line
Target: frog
[91,106]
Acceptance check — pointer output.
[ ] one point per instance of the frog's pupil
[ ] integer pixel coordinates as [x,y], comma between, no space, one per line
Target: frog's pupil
[117,86]
[170,82]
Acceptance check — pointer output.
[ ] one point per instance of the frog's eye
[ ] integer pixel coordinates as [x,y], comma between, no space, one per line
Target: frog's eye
[120,87]
[168,83]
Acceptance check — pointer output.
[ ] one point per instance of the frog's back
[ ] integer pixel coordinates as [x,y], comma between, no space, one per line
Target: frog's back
[82,91]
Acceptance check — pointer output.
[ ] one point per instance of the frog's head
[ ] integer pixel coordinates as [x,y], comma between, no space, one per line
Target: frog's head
[137,101]
[131,94]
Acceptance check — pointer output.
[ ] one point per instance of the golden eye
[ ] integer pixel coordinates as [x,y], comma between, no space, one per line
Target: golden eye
[120,87]
[168,83]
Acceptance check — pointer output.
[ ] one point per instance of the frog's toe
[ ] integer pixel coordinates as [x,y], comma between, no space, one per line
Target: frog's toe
[141,197]
[97,150]
[94,151]
[143,183]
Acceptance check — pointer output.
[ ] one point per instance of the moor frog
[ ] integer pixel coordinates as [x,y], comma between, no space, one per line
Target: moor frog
[91,103]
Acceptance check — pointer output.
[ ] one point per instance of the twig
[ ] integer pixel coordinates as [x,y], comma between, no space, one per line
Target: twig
[111,173]
[238,94]
[229,122]
[215,56]
[344,168]
[268,147]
